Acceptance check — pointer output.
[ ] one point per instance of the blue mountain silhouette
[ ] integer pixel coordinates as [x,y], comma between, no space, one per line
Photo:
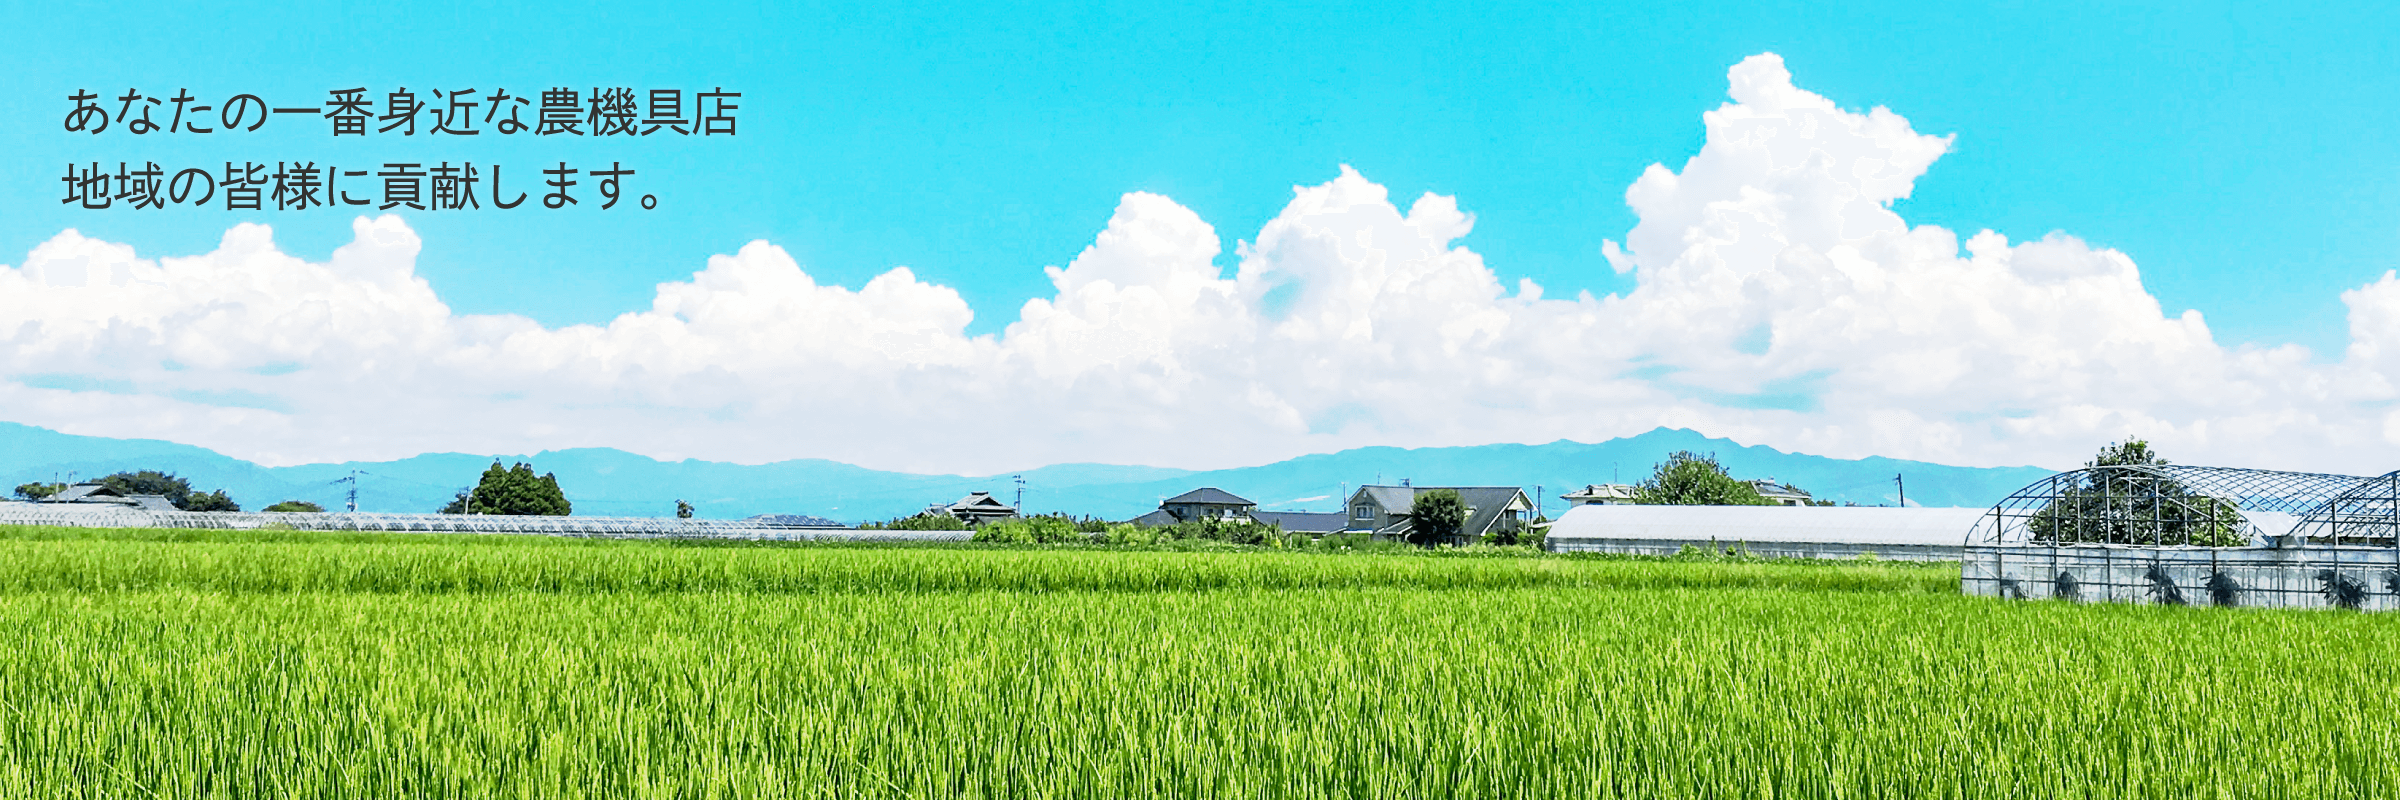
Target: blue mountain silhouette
[608,482]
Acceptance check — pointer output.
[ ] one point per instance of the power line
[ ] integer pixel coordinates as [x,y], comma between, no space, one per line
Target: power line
[353,481]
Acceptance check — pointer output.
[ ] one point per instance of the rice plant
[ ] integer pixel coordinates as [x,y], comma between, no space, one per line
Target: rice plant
[257,666]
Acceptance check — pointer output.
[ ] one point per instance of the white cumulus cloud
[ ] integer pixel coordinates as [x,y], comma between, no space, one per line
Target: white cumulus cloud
[1778,299]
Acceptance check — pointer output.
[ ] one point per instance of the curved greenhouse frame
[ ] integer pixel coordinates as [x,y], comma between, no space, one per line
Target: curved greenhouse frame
[2190,535]
[2175,505]
[2366,514]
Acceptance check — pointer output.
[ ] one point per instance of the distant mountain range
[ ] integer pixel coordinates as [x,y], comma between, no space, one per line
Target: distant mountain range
[607,482]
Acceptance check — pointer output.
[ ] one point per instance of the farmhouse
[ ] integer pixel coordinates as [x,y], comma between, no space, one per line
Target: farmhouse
[1199,504]
[103,494]
[1384,511]
[1218,504]
[975,509]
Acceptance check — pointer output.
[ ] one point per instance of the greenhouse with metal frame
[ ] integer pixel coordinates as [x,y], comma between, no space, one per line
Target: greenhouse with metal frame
[2191,535]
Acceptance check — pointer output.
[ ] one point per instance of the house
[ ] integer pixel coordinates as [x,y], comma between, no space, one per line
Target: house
[1198,504]
[1781,494]
[1602,494]
[104,494]
[975,509]
[1218,504]
[1384,511]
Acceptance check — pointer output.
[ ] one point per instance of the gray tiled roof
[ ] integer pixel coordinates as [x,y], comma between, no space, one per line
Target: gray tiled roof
[1394,499]
[80,491]
[979,500]
[1211,495]
[1488,502]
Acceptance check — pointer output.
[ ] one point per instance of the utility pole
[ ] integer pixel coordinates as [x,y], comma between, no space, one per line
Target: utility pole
[1903,489]
[353,481]
[1020,492]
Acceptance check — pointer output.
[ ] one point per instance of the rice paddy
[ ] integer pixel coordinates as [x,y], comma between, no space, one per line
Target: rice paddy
[156,664]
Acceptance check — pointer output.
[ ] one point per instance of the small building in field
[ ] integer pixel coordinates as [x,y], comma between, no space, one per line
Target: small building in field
[976,508]
[1386,511]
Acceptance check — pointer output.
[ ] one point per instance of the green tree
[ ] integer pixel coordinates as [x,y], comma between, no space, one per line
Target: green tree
[36,491]
[1040,529]
[1213,529]
[1436,516]
[150,481]
[683,510]
[2135,506]
[1691,479]
[920,522]
[514,491]
[1529,534]
[213,501]
[177,490]
[295,507]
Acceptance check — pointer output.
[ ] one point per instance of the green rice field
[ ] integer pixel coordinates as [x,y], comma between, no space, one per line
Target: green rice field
[137,664]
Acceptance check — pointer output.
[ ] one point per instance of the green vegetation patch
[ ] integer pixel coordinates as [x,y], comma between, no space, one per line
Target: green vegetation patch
[335,665]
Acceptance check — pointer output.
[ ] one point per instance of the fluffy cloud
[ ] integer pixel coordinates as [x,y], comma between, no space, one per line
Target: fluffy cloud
[1778,300]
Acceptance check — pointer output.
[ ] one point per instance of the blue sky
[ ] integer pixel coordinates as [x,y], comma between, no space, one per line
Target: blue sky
[2240,153]
[1276,229]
